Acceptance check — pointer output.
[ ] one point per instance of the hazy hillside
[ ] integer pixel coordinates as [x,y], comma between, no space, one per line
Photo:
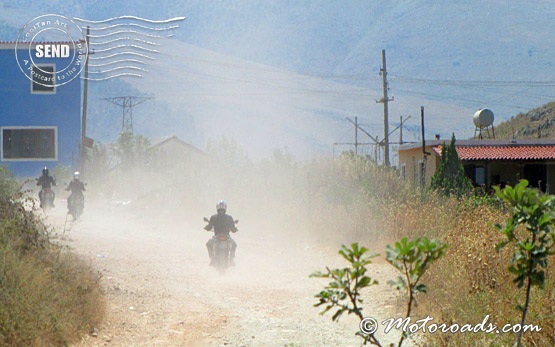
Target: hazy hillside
[537,123]
[280,73]
[201,95]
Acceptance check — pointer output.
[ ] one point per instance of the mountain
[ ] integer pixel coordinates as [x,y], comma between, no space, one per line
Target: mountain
[286,74]
[201,95]
[537,123]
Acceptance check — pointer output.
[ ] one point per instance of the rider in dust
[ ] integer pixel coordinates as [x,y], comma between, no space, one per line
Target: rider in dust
[222,223]
[76,187]
[46,182]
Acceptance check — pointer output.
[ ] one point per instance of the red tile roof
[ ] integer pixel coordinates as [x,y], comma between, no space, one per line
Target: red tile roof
[505,152]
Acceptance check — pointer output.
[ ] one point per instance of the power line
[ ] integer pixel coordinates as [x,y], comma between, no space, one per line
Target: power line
[127,103]
[474,83]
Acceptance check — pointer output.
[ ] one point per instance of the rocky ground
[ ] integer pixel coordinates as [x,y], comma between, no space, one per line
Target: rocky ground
[160,290]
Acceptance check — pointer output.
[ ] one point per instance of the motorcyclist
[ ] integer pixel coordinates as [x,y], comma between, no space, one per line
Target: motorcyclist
[77,188]
[222,223]
[46,182]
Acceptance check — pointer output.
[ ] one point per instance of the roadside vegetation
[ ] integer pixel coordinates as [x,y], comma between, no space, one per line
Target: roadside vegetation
[48,296]
[351,200]
[474,278]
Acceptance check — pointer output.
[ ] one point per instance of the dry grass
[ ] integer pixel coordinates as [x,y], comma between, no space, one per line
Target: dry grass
[371,205]
[48,296]
[351,200]
[47,299]
[472,280]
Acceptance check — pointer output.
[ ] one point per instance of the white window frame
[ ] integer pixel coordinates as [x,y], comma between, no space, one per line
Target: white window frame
[55,128]
[403,170]
[483,175]
[43,92]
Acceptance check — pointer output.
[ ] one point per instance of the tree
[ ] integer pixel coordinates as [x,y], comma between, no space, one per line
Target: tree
[410,257]
[529,230]
[450,178]
[344,291]
[134,151]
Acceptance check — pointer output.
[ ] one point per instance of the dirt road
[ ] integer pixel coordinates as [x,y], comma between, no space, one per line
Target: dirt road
[161,291]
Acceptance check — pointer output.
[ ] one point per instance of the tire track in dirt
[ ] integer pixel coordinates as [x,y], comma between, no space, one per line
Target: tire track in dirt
[160,290]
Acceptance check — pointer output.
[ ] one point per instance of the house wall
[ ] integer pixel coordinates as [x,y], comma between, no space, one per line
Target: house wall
[503,172]
[537,174]
[411,159]
[551,178]
[509,172]
[19,107]
[174,154]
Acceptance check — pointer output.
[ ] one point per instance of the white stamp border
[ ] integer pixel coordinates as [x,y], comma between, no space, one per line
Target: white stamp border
[78,59]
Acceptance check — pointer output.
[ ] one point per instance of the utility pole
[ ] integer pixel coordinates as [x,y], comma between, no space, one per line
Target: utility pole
[423,132]
[83,153]
[375,139]
[422,169]
[127,103]
[385,100]
[356,136]
[400,127]
[401,131]
[376,151]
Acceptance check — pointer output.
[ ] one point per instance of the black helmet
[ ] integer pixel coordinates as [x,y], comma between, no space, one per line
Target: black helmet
[45,171]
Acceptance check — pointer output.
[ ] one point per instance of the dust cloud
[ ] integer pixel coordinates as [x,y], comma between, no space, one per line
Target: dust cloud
[143,229]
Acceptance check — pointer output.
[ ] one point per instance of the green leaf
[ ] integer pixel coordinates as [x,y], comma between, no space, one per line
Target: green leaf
[337,314]
[318,274]
[501,245]
[399,283]
[421,288]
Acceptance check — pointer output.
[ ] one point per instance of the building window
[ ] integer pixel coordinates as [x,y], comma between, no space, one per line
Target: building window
[403,171]
[29,143]
[480,176]
[44,79]
[476,173]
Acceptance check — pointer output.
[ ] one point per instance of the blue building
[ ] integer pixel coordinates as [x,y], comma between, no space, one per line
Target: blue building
[40,119]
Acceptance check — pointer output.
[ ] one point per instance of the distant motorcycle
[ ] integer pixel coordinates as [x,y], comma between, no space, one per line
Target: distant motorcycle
[76,204]
[46,197]
[222,248]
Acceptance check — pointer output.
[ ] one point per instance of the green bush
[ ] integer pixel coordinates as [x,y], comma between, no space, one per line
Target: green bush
[450,178]
[410,257]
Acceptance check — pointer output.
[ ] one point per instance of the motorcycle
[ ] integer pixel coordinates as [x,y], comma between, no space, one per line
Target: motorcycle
[46,197]
[222,249]
[76,204]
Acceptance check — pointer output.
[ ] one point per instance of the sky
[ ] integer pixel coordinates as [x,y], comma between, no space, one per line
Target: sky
[287,74]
